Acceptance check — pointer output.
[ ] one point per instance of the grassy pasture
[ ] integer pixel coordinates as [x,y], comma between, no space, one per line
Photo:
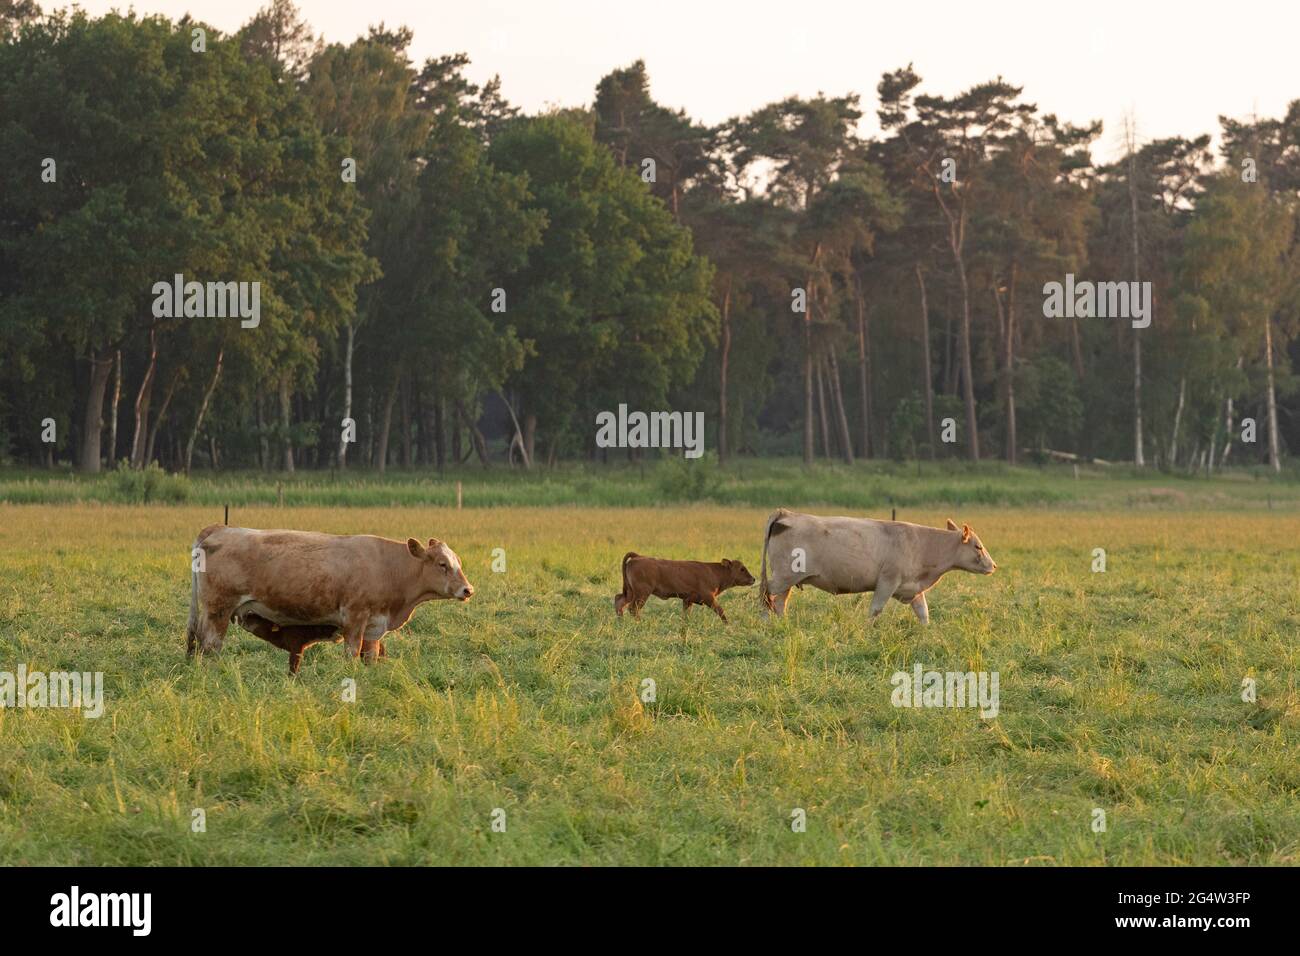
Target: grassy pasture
[1119,691]
[865,485]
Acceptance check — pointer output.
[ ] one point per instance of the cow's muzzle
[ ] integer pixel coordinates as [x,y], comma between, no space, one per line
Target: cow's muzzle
[466,592]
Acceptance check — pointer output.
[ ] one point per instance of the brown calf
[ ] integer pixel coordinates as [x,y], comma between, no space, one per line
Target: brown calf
[694,582]
[296,638]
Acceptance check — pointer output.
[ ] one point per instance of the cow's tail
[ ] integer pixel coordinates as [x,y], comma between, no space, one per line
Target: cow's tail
[192,628]
[626,558]
[764,591]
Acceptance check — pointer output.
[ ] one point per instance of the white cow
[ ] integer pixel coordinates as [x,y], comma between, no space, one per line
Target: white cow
[852,555]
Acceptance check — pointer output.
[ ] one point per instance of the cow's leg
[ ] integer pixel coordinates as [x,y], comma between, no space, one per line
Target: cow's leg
[212,626]
[619,602]
[920,609]
[885,588]
[354,627]
[779,600]
[717,608]
[372,638]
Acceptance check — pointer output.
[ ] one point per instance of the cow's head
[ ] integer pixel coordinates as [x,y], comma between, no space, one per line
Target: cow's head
[441,575]
[736,574]
[971,553]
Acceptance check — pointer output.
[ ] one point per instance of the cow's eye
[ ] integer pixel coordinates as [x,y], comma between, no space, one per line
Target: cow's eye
[443,565]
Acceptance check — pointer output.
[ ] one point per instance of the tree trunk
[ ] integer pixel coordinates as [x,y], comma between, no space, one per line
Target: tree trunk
[1139,460]
[161,416]
[203,411]
[837,402]
[385,424]
[440,431]
[1274,445]
[821,406]
[864,366]
[456,433]
[927,381]
[142,399]
[967,376]
[347,393]
[949,378]
[286,419]
[93,421]
[1229,420]
[724,356]
[956,240]
[405,421]
[1178,421]
[113,408]
[1076,348]
[808,452]
[530,439]
[1008,363]
[476,436]
[519,435]
[263,443]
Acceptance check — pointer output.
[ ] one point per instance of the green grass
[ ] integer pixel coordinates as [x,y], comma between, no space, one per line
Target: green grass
[871,485]
[1119,691]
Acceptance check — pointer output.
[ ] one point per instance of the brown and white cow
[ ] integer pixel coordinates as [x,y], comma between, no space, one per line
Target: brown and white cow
[295,588]
[694,582]
[852,555]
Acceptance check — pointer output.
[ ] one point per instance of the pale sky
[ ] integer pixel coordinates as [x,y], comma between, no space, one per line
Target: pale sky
[1176,67]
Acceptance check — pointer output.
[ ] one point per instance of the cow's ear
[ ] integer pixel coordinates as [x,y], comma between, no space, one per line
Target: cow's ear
[952,525]
[965,533]
[727,562]
[416,549]
[433,543]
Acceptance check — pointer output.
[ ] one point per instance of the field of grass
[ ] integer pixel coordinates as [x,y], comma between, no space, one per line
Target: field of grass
[1119,691]
[866,485]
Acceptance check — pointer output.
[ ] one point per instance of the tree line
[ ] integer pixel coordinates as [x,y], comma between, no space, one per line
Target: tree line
[444,279]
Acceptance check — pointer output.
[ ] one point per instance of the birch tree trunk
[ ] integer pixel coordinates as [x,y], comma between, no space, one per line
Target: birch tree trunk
[1274,445]
[203,411]
[159,418]
[927,382]
[1139,460]
[1178,420]
[113,407]
[808,372]
[142,399]
[864,365]
[347,394]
